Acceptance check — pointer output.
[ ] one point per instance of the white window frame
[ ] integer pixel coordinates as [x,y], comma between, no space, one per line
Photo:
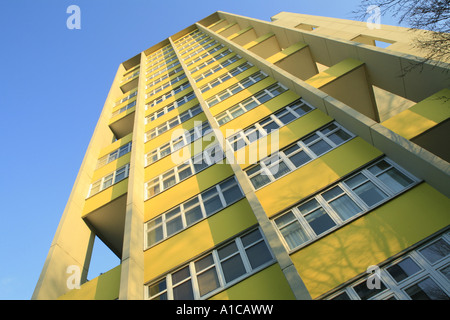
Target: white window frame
[166,109]
[397,289]
[173,122]
[103,182]
[119,152]
[266,163]
[166,84]
[230,74]
[183,208]
[253,101]
[259,129]
[217,67]
[236,87]
[193,272]
[187,138]
[210,156]
[167,95]
[334,215]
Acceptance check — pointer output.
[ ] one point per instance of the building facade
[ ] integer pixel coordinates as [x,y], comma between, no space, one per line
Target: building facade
[246,159]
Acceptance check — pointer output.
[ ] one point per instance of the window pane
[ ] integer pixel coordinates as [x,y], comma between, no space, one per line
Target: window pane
[120,175]
[157,288]
[251,238]
[153,190]
[183,291]
[356,180]
[446,272]
[320,221]
[299,158]
[208,281]
[365,293]
[236,112]
[395,180]
[378,167]
[345,207]
[155,235]
[183,174]
[260,180]
[320,147]
[426,290]
[436,251]
[339,136]
[227,250]
[258,254]
[169,182]
[180,275]
[204,263]
[287,117]
[294,234]
[174,225]
[233,268]
[342,296]
[308,206]
[279,169]
[311,138]
[403,269]
[212,204]
[107,181]
[270,126]
[193,215]
[199,164]
[232,194]
[250,105]
[332,193]
[369,193]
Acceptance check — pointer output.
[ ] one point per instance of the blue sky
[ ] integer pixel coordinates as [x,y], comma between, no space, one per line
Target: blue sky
[53,86]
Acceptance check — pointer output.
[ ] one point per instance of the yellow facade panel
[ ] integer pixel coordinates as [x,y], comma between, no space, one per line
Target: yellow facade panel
[372,238]
[197,239]
[314,176]
[104,287]
[186,189]
[268,284]
[105,196]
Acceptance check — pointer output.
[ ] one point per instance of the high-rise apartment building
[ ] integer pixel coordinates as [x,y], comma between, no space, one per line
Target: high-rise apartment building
[246,159]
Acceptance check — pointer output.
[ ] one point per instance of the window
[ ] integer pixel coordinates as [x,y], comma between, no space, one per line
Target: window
[132,94]
[169,124]
[409,277]
[163,86]
[264,127]
[336,205]
[199,207]
[114,155]
[109,180]
[201,161]
[225,77]
[217,68]
[214,271]
[209,61]
[250,103]
[177,143]
[128,106]
[235,88]
[176,104]
[294,156]
[167,95]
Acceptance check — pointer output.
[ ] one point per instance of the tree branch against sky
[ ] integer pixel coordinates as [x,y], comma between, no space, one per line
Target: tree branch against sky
[430,15]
